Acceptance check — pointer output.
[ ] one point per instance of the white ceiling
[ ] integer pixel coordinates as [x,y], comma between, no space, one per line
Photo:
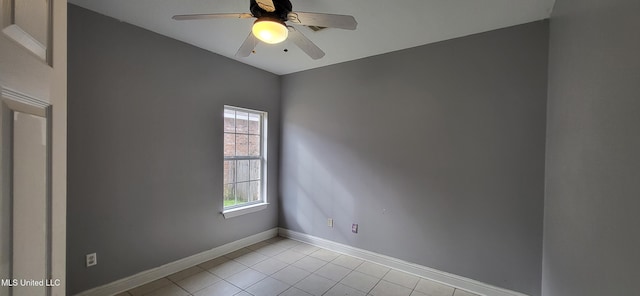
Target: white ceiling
[383,25]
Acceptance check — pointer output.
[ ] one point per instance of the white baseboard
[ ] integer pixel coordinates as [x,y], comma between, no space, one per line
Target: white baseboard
[173,267]
[453,280]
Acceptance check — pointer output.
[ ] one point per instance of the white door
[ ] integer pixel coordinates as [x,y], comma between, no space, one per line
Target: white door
[33,151]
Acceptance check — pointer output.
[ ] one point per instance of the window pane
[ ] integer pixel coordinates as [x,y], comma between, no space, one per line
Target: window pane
[229,171]
[242,192]
[242,122]
[254,124]
[243,139]
[243,171]
[254,145]
[229,195]
[255,170]
[242,145]
[229,121]
[254,191]
[229,144]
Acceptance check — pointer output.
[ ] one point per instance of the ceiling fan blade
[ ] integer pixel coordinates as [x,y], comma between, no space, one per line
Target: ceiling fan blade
[206,16]
[305,44]
[323,20]
[247,46]
[267,5]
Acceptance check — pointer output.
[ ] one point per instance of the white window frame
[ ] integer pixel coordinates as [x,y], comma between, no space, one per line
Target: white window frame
[234,211]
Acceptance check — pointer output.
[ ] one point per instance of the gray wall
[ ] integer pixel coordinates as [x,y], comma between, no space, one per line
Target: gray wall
[592,206]
[436,151]
[145,148]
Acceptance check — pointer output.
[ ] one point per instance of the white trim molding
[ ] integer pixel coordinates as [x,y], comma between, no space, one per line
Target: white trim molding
[235,212]
[449,279]
[150,275]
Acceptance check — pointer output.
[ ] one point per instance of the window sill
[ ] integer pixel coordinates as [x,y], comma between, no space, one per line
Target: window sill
[244,210]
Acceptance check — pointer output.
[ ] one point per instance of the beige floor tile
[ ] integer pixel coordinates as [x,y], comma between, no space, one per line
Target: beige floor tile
[227,269]
[287,243]
[293,291]
[360,281]
[171,290]
[325,255]
[315,285]
[258,245]
[270,266]
[333,272]
[309,264]
[198,281]
[268,287]
[384,288]
[150,287]
[271,250]
[343,290]
[347,261]
[401,278]
[276,239]
[246,278]
[432,288]
[221,288]
[373,269]
[286,267]
[291,274]
[185,273]
[289,256]
[305,249]
[251,258]
[213,262]
[238,253]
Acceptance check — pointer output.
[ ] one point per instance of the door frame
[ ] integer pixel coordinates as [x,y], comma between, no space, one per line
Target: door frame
[24,72]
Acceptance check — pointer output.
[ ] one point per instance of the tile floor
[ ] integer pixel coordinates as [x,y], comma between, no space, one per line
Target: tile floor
[285,267]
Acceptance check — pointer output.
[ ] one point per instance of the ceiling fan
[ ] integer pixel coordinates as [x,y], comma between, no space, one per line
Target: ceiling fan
[270,26]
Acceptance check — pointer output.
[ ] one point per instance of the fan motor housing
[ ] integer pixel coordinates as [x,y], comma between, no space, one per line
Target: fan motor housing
[283,8]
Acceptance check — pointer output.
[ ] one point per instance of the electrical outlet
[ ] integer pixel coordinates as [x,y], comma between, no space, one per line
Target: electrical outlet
[354,228]
[330,222]
[92,259]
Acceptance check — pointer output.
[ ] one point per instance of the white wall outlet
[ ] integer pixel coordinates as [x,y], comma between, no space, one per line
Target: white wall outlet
[330,222]
[354,228]
[92,259]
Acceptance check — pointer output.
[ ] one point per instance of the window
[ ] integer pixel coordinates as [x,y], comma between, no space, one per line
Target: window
[245,158]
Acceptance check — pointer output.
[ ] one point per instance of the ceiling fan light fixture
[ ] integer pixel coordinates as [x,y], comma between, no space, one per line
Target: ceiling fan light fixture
[270,30]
